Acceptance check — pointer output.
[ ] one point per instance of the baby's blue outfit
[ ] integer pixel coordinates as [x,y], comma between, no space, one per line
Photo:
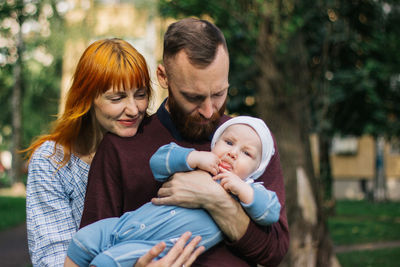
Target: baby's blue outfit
[122,241]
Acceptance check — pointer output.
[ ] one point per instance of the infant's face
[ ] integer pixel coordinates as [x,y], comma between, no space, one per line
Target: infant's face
[239,149]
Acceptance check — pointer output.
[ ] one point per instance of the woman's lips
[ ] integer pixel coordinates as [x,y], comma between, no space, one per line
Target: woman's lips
[127,123]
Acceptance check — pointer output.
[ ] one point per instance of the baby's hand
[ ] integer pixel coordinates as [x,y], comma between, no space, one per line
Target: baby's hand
[229,181]
[206,161]
[233,184]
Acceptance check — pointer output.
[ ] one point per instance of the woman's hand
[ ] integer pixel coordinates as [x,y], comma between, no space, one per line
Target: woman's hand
[179,255]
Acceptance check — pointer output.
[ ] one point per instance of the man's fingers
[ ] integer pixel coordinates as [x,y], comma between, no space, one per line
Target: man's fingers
[160,201]
[164,192]
[166,184]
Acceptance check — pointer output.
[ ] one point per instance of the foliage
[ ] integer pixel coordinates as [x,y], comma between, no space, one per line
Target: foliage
[362,222]
[364,66]
[5,180]
[12,211]
[41,27]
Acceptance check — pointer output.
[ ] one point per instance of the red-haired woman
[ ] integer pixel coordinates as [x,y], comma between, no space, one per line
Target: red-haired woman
[110,93]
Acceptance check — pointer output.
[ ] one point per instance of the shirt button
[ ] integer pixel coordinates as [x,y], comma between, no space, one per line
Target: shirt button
[142,226]
[172,212]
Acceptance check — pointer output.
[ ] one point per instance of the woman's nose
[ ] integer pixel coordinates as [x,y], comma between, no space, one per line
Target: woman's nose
[131,108]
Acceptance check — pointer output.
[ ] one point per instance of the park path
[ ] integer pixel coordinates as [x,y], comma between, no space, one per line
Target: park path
[13,241]
[14,247]
[367,246]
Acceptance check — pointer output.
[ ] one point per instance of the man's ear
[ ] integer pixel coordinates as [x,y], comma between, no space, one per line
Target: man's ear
[162,76]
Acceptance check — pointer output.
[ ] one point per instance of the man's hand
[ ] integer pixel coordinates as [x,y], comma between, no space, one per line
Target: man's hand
[197,189]
[190,190]
[179,255]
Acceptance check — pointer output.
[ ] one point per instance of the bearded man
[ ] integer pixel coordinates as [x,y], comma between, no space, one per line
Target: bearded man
[195,72]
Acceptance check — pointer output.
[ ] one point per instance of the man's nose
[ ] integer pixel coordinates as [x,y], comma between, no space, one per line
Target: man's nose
[206,108]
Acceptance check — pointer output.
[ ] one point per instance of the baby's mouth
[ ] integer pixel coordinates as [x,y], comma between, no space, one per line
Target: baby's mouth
[225,165]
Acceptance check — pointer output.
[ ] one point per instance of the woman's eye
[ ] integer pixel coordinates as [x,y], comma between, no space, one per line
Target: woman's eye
[115,99]
[141,95]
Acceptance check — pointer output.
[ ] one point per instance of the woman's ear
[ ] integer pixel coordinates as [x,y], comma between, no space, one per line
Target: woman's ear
[162,76]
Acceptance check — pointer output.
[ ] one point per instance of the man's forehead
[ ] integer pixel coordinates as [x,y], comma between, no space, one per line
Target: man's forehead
[193,91]
[181,60]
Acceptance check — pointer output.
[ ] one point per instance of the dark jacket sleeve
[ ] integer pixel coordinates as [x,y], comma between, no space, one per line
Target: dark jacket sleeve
[267,245]
[104,190]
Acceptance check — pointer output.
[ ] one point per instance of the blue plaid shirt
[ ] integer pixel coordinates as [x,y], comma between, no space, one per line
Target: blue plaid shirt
[54,204]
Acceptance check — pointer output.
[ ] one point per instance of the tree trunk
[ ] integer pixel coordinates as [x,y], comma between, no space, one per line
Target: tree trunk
[16,166]
[380,180]
[287,115]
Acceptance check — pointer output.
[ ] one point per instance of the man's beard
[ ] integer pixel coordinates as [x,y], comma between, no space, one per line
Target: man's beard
[189,126]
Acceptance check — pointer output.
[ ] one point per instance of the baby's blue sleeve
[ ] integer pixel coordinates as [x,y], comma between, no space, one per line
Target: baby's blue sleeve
[169,159]
[265,208]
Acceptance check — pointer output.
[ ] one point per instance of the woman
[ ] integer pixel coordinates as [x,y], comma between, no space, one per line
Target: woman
[110,93]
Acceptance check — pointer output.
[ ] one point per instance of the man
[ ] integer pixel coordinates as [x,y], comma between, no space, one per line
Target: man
[195,72]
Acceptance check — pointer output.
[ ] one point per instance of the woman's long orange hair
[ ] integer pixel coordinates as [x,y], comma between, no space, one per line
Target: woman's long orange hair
[105,64]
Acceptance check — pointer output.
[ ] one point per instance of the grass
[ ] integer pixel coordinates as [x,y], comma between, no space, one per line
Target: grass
[12,211]
[357,222]
[370,258]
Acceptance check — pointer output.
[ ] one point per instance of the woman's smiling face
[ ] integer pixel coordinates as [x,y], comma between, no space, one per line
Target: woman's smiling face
[121,112]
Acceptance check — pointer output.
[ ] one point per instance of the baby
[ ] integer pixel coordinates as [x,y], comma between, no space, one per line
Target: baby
[240,151]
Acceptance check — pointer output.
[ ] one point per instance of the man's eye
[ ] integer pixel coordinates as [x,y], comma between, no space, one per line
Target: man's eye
[192,99]
[219,94]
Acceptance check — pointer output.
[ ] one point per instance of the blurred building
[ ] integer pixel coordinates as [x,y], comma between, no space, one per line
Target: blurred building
[354,166]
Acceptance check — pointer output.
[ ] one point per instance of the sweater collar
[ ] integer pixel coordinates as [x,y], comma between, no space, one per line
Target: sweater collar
[165,118]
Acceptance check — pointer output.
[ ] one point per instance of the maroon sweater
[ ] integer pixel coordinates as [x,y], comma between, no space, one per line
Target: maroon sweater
[120,180]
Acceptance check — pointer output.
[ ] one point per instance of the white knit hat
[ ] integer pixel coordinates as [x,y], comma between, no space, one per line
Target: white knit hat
[263,132]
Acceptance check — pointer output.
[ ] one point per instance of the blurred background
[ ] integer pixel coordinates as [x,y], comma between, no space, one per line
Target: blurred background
[323,74]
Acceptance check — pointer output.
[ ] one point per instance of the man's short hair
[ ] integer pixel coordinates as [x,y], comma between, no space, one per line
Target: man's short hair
[198,38]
